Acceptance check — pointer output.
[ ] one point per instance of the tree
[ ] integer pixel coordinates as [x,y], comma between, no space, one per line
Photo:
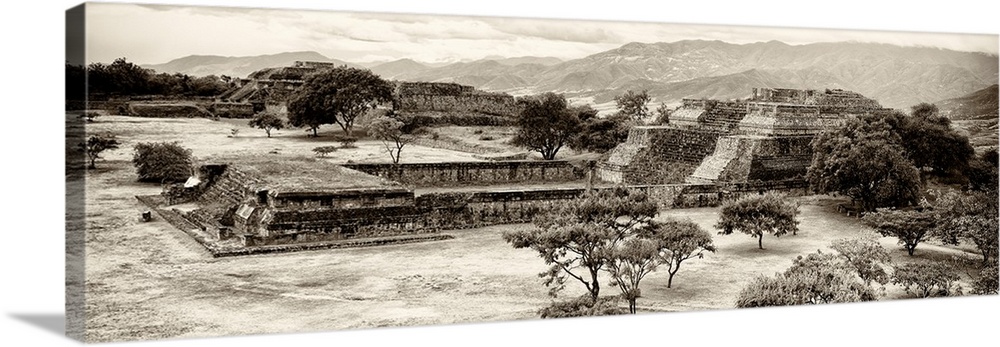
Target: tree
[389,131]
[864,161]
[633,105]
[601,134]
[663,114]
[817,278]
[969,217]
[931,144]
[756,215]
[909,226]
[545,124]
[322,151]
[867,257]
[580,233]
[267,121]
[337,95]
[96,145]
[987,282]
[678,241]
[982,171]
[927,279]
[162,161]
[629,262]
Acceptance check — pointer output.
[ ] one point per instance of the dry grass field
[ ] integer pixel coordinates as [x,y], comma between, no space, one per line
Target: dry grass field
[150,280]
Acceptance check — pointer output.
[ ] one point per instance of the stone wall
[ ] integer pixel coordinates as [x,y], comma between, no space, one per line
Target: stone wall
[751,158]
[657,155]
[227,185]
[713,115]
[479,209]
[451,97]
[167,110]
[231,109]
[490,172]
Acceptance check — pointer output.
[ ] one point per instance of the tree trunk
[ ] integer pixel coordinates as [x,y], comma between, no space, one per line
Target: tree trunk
[631,305]
[910,249]
[760,241]
[595,290]
[268,131]
[314,132]
[670,277]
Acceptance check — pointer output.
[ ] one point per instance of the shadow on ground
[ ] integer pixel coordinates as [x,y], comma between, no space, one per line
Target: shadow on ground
[52,322]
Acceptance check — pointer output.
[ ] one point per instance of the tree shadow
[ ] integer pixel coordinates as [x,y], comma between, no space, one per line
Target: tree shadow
[52,322]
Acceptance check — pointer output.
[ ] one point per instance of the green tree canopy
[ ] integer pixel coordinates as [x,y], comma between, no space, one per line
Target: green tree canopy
[545,124]
[817,278]
[677,241]
[337,96]
[911,227]
[756,215]
[633,105]
[162,162]
[578,234]
[864,161]
[96,145]
[267,121]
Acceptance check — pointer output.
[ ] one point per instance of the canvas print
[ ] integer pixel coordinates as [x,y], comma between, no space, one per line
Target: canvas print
[245,171]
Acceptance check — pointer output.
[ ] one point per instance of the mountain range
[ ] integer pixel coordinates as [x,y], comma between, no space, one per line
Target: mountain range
[896,76]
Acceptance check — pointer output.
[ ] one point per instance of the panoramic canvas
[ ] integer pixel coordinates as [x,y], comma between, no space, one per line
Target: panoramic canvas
[240,171]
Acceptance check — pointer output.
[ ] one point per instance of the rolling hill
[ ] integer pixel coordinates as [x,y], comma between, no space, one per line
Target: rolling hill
[976,115]
[896,76]
[203,65]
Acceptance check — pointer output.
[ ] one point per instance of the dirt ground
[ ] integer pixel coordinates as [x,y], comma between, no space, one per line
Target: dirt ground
[150,280]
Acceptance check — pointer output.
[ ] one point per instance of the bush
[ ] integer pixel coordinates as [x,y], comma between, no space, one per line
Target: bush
[347,141]
[926,280]
[478,132]
[987,281]
[487,138]
[162,162]
[324,150]
[583,306]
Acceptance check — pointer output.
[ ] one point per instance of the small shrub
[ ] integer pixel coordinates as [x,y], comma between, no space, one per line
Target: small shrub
[162,162]
[347,141]
[478,132]
[435,136]
[582,307]
[987,281]
[233,132]
[487,138]
[322,151]
[926,280]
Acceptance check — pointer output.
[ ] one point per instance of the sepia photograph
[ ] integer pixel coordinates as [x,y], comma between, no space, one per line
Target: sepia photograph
[253,170]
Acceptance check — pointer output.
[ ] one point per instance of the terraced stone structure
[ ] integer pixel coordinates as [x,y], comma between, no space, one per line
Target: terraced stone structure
[764,140]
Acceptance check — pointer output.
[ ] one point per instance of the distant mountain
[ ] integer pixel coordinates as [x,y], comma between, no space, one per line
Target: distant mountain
[981,104]
[896,76]
[547,61]
[975,115]
[203,65]
[392,69]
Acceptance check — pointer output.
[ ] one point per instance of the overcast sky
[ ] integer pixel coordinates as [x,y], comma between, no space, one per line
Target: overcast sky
[150,34]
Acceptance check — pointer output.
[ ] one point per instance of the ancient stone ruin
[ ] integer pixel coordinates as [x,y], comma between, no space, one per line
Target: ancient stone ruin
[270,89]
[764,140]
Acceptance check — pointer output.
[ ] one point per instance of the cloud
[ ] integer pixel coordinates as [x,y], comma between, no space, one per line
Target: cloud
[159,33]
